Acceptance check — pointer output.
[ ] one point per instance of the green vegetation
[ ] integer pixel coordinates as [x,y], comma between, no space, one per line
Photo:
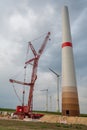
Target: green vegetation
[83,115]
[22,125]
[47,112]
[43,112]
[7,109]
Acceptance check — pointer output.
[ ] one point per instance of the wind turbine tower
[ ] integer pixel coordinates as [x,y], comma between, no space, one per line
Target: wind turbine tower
[70,103]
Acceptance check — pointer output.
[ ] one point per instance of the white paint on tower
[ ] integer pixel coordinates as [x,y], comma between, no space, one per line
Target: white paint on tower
[70,105]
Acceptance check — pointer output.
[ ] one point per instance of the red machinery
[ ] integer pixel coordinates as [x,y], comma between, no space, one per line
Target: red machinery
[27,110]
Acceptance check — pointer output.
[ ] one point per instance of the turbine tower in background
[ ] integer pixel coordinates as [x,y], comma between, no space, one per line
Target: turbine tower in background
[58,76]
[70,103]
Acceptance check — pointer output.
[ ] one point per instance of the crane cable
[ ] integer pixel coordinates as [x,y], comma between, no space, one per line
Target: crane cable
[17,94]
[25,75]
[39,37]
[22,101]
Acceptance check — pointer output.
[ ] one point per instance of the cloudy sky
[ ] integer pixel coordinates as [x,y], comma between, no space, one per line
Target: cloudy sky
[26,20]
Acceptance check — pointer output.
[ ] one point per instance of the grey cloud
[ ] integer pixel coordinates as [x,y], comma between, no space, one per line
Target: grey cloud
[22,21]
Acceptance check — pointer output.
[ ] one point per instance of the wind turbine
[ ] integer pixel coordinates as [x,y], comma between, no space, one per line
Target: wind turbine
[46,98]
[57,75]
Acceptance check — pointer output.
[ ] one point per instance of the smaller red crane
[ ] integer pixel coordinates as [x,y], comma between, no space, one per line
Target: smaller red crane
[27,110]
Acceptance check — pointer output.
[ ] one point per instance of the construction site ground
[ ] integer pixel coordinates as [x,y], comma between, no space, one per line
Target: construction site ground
[63,119]
[48,122]
[52,118]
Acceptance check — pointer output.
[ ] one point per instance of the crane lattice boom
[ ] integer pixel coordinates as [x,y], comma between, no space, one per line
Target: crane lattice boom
[34,69]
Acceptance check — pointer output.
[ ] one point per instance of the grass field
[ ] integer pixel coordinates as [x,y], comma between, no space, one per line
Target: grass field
[44,112]
[22,125]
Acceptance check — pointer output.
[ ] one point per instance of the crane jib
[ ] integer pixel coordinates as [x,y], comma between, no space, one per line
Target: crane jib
[19,82]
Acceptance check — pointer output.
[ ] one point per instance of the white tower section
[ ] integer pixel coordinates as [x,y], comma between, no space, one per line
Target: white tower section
[70,105]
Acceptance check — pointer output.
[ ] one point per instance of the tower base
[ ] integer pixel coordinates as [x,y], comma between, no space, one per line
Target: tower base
[70,104]
[70,112]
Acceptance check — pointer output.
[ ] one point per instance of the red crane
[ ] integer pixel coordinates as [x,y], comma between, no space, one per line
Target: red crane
[34,62]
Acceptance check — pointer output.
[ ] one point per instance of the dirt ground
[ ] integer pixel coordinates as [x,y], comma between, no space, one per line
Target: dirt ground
[50,118]
[64,119]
